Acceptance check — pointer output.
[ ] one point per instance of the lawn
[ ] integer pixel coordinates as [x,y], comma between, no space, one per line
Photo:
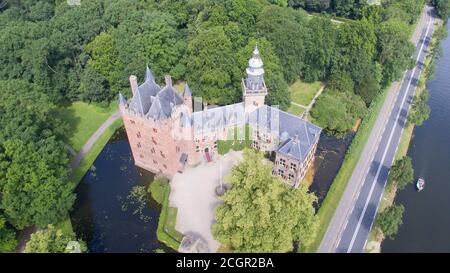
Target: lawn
[296,110]
[303,93]
[157,189]
[83,119]
[166,231]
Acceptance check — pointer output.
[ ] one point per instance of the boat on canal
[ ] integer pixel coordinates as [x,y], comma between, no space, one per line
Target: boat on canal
[420,184]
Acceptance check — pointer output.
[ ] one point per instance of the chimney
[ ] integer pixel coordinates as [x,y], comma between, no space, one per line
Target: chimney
[168,80]
[133,84]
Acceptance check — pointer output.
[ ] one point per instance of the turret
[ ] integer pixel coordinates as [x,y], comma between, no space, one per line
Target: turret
[254,87]
[187,97]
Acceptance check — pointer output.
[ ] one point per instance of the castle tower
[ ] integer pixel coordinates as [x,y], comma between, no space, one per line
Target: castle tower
[254,87]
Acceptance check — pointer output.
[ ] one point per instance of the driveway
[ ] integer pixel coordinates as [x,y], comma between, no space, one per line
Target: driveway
[193,193]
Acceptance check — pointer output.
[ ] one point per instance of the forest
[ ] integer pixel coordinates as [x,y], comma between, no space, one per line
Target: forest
[53,54]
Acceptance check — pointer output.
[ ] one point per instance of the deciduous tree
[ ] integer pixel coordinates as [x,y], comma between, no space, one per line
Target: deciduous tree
[260,213]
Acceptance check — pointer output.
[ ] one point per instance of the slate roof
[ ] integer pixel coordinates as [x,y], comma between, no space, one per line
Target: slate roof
[287,126]
[218,117]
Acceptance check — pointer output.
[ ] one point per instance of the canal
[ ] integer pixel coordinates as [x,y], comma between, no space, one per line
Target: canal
[426,221]
[110,213]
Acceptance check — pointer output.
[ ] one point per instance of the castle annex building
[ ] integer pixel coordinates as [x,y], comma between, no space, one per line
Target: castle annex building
[166,134]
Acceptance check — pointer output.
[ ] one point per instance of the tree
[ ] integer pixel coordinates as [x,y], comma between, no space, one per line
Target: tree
[420,111]
[442,8]
[212,71]
[402,172]
[278,93]
[260,213]
[319,49]
[394,49]
[341,81]
[337,111]
[356,46]
[285,30]
[52,240]
[389,220]
[8,240]
[35,187]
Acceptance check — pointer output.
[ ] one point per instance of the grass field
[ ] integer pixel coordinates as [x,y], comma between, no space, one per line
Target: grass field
[302,93]
[83,119]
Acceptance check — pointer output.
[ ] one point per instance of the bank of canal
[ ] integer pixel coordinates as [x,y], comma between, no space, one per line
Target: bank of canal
[105,215]
[426,221]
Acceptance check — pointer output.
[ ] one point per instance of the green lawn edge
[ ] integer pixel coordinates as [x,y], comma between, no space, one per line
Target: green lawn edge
[166,232]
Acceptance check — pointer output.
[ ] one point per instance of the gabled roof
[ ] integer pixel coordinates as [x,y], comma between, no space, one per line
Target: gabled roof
[287,126]
[140,103]
[164,102]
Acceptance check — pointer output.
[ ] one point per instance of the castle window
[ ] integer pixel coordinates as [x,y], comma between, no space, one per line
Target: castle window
[197,148]
[138,134]
[153,150]
[154,162]
[141,156]
[282,162]
[162,154]
[178,149]
[291,176]
[132,121]
[280,172]
[155,131]
[154,141]
[139,145]
[293,166]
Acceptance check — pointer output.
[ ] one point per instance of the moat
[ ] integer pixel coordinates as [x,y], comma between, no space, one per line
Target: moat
[104,215]
[108,221]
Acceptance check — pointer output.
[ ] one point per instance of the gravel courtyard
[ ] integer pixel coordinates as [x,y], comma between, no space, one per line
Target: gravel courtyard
[193,193]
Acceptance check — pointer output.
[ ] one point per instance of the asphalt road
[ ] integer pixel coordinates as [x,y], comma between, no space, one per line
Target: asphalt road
[353,219]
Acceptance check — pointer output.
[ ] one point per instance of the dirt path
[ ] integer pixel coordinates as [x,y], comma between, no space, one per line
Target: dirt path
[91,141]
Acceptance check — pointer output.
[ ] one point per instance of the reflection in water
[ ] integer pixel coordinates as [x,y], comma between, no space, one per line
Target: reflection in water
[109,215]
[329,157]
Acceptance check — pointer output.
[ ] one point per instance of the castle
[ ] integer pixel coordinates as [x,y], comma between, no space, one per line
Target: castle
[166,134]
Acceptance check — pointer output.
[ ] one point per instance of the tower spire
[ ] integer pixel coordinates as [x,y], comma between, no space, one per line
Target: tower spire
[254,86]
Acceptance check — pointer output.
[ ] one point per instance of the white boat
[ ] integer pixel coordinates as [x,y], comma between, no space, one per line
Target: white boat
[420,185]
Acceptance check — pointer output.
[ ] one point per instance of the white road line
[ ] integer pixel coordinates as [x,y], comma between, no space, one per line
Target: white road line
[389,142]
[335,245]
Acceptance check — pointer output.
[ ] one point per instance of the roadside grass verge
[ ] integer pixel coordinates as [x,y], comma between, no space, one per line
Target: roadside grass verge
[334,195]
[302,92]
[166,231]
[390,191]
[83,120]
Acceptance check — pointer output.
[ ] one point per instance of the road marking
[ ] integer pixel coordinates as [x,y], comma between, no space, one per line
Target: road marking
[389,141]
[398,87]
